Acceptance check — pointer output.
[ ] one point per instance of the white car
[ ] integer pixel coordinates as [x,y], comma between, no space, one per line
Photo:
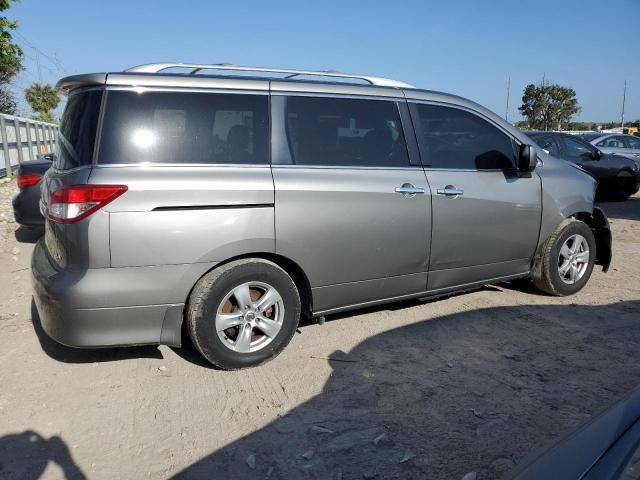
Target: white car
[620,144]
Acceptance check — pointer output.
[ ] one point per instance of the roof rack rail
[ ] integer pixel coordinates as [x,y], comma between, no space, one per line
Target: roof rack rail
[197,67]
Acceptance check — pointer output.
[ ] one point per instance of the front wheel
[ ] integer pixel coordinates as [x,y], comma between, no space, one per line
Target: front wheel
[243,313]
[621,187]
[567,259]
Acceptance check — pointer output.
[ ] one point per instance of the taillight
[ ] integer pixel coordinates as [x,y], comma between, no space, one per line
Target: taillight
[72,204]
[28,180]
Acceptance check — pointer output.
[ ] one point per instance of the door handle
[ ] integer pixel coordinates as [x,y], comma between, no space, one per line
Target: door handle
[450,191]
[409,190]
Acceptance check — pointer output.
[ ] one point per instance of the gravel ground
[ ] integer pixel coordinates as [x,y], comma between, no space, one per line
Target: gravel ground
[432,390]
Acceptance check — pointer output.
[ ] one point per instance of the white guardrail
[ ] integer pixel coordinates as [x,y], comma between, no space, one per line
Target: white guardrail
[22,139]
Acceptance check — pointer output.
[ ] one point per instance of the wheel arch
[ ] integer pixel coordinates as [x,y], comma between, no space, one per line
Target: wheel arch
[292,268]
[599,225]
[632,179]
[626,170]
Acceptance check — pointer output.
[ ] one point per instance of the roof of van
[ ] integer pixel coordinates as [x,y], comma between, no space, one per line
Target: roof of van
[232,77]
[192,69]
[266,79]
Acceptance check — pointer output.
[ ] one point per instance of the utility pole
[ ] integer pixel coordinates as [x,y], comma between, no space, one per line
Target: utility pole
[38,64]
[545,102]
[506,111]
[624,99]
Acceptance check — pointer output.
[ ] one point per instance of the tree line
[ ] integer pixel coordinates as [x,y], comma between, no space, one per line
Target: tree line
[551,107]
[548,107]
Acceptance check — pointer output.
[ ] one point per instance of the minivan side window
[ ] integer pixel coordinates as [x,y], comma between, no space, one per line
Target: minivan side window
[452,138]
[77,134]
[345,132]
[184,127]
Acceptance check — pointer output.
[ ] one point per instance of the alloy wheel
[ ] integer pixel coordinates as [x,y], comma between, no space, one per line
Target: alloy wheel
[249,317]
[573,259]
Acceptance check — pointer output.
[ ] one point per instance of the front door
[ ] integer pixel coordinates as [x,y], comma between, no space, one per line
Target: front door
[486,218]
[584,154]
[351,210]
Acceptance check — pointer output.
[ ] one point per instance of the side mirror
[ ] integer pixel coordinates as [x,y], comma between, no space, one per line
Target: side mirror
[528,159]
[597,155]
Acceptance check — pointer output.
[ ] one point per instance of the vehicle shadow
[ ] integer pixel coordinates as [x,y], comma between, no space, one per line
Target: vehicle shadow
[523,285]
[402,304]
[189,353]
[26,455]
[628,210]
[471,391]
[28,234]
[65,354]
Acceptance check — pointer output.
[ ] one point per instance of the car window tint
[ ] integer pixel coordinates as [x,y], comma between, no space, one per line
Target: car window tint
[549,144]
[614,142]
[454,138]
[181,127]
[633,142]
[575,148]
[77,134]
[345,132]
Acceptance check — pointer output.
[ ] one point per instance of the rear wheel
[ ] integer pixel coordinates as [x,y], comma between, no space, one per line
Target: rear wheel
[567,259]
[243,313]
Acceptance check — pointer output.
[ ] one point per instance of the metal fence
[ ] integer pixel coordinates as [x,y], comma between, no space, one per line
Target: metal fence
[22,139]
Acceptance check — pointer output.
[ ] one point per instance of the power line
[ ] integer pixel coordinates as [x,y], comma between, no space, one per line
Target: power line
[39,65]
[23,76]
[57,64]
[19,83]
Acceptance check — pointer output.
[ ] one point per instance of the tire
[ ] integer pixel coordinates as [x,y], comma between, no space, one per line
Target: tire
[621,187]
[231,296]
[553,262]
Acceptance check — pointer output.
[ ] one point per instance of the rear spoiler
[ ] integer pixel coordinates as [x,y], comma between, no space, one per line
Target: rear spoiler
[67,84]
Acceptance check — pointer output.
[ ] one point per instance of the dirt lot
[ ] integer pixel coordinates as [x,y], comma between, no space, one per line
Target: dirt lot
[469,383]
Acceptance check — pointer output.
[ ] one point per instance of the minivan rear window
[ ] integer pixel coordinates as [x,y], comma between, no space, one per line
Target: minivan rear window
[172,127]
[78,126]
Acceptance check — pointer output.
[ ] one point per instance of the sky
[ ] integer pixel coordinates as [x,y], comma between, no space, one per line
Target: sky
[469,48]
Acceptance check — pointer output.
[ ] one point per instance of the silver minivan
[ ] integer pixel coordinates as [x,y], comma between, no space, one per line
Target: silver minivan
[238,200]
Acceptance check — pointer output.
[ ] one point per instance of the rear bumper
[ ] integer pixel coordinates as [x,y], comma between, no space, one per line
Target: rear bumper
[26,208]
[73,311]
